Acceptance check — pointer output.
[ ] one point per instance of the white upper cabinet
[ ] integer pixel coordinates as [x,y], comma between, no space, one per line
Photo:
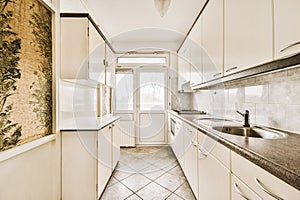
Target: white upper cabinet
[212,44]
[247,34]
[195,43]
[287,27]
[110,63]
[96,55]
[184,69]
[82,50]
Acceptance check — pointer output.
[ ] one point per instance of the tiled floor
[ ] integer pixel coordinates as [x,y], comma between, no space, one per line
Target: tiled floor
[148,173]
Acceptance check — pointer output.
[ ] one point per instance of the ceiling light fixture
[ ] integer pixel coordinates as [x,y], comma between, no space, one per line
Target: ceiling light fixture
[162,6]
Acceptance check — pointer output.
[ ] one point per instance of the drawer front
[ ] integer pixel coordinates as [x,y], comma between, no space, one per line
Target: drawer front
[263,183]
[240,191]
[219,151]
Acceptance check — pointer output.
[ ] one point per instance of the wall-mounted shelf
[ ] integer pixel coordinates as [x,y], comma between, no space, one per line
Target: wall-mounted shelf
[253,71]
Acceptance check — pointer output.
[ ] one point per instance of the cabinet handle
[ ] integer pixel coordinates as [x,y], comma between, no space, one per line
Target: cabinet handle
[266,190]
[291,45]
[217,74]
[230,69]
[239,191]
[194,144]
[202,153]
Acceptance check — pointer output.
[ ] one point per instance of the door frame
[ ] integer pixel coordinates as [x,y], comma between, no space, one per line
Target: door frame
[138,112]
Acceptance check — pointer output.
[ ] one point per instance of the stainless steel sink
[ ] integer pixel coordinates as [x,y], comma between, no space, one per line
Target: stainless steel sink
[256,132]
[211,120]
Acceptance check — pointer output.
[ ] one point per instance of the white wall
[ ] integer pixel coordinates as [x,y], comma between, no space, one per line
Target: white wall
[72,6]
[272,99]
[32,175]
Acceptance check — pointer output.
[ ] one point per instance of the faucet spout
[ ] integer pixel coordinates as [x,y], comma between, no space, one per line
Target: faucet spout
[246,118]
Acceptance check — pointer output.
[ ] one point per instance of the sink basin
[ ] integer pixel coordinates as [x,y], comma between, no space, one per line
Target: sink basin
[256,132]
[211,120]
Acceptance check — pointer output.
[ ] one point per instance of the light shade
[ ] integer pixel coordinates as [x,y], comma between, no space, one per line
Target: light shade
[162,6]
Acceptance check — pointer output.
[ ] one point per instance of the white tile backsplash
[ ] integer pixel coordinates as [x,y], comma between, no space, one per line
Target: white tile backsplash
[256,94]
[273,100]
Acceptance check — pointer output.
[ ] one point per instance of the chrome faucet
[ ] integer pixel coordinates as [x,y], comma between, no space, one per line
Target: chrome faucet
[246,118]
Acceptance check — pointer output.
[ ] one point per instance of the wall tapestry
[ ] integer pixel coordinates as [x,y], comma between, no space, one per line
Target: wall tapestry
[25,72]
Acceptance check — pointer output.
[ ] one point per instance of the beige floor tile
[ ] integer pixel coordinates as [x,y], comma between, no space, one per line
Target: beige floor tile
[136,182]
[177,171]
[166,163]
[185,192]
[153,191]
[116,191]
[134,197]
[152,172]
[139,164]
[112,181]
[174,197]
[170,181]
[120,175]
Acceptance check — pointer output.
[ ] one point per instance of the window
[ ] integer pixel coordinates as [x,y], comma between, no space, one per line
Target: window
[142,60]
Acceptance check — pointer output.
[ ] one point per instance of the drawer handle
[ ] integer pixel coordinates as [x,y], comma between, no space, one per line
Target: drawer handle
[217,74]
[291,45]
[202,153]
[239,191]
[266,190]
[194,144]
[231,69]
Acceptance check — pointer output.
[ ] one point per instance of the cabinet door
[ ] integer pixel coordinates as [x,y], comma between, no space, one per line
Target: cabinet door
[184,69]
[96,55]
[110,59]
[263,183]
[213,177]
[104,158]
[240,191]
[196,49]
[190,158]
[74,48]
[116,147]
[247,33]
[79,165]
[287,28]
[212,40]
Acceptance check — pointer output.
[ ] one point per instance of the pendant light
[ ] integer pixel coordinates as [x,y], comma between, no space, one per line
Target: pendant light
[162,6]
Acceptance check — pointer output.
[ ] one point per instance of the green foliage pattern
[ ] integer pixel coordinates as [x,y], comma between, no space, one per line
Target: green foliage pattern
[10,45]
[42,89]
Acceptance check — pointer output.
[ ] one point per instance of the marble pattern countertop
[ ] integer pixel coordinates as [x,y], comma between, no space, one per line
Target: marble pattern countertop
[280,157]
[87,123]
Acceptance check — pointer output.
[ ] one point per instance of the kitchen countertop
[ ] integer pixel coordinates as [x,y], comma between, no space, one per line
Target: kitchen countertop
[280,157]
[87,123]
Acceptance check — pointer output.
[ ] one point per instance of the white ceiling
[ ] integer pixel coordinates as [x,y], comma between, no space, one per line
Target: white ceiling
[135,24]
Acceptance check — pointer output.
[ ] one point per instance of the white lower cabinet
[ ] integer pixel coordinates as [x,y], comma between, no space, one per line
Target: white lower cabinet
[79,165]
[215,172]
[88,160]
[240,191]
[116,147]
[190,167]
[104,157]
[213,176]
[267,186]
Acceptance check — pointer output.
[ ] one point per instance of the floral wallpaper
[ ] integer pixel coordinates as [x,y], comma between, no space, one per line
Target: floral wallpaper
[25,72]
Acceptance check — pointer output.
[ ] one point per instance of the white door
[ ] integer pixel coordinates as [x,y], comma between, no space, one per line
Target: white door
[151,106]
[124,107]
